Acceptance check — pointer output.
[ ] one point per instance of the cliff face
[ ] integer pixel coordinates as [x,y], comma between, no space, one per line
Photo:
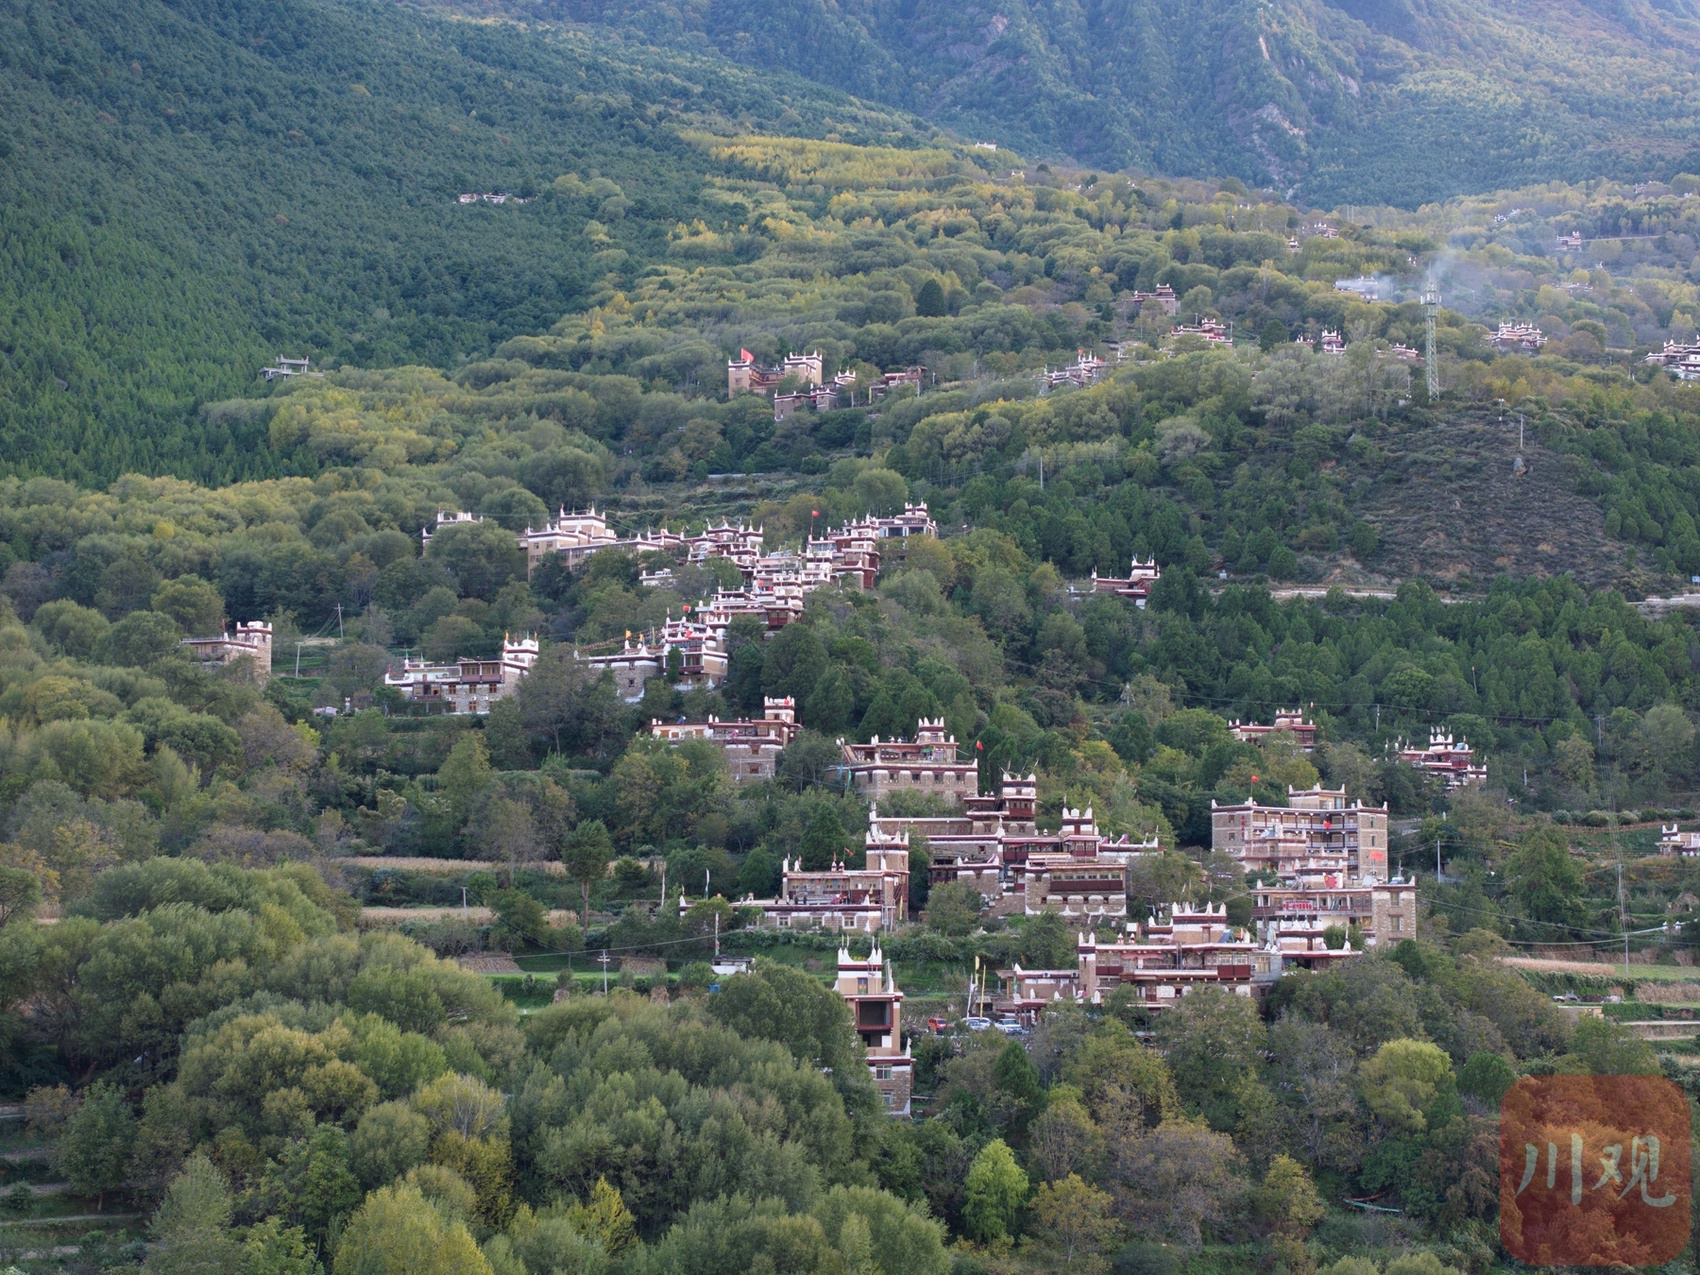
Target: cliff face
[1402,101]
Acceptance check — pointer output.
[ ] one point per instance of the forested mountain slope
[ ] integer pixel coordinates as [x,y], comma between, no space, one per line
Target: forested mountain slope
[188,190]
[1349,101]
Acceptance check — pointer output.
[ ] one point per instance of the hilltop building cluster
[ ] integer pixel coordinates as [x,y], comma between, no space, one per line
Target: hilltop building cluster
[690,649]
[1322,864]
[776,585]
[1084,371]
[1188,947]
[744,375]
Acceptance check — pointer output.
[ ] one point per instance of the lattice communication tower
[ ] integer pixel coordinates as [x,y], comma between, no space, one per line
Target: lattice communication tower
[1431,365]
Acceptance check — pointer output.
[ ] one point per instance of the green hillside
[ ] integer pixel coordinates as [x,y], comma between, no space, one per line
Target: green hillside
[1344,101]
[189,190]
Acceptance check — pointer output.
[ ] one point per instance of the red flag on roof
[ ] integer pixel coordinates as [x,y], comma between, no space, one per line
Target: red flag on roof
[979,747]
[746,356]
[814,513]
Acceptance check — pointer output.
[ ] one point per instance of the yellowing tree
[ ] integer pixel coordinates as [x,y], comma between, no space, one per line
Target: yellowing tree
[1402,1079]
[1073,1224]
[398,1232]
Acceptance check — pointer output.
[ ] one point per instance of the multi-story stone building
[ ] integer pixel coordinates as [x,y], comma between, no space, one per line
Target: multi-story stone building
[1291,720]
[573,537]
[251,641]
[752,747]
[745,376]
[1321,863]
[1452,759]
[996,847]
[867,899]
[876,1014]
[1192,946]
[1674,842]
[466,685]
[1294,917]
[688,648]
[927,764]
[1135,585]
[1317,823]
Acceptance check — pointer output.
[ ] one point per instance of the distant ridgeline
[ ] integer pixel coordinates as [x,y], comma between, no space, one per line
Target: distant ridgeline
[185,191]
[1353,100]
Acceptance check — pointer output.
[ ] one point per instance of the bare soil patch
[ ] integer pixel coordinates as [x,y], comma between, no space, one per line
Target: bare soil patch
[1446,504]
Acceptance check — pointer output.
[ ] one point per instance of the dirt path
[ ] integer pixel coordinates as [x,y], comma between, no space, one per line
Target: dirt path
[29,1153]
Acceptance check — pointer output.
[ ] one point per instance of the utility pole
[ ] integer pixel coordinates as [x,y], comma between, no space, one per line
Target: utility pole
[297,659]
[339,621]
[603,960]
[463,903]
[717,936]
[1622,916]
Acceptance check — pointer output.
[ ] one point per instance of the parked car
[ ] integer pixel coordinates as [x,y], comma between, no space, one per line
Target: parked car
[977,1024]
[938,1026]
[1009,1027]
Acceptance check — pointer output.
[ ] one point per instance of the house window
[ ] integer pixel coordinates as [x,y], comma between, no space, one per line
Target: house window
[882,1073]
[862,986]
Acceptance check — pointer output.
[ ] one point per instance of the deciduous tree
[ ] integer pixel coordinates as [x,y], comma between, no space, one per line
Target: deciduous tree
[1073,1225]
[398,1232]
[586,854]
[997,1188]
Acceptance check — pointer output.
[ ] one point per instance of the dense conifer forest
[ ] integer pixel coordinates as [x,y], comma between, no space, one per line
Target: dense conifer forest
[297,975]
[1335,101]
